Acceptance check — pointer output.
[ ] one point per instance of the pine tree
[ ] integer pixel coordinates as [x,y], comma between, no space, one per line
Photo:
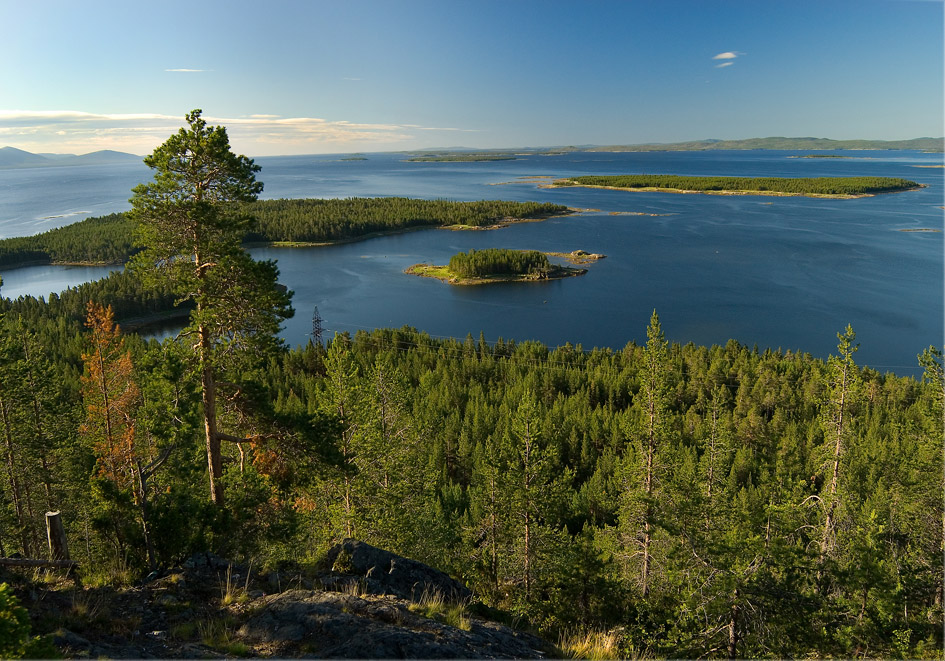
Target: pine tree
[486,530]
[112,400]
[843,391]
[343,389]
[642,461]
[190,226]
[111,396]
[537,488]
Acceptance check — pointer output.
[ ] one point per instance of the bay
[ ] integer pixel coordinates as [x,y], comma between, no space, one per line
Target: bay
[779,272]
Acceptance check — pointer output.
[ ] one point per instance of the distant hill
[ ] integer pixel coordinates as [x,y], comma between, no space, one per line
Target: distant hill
[11,157]
[103,157]
[924,144]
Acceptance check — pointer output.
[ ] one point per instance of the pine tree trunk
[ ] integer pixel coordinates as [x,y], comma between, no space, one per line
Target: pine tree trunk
[527,513]
[141,498]
[528,565]
[14,482]
[827,542]
[38,422]
[648,487]
[208,383]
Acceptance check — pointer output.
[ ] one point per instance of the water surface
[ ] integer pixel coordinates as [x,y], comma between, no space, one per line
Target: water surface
[779,272]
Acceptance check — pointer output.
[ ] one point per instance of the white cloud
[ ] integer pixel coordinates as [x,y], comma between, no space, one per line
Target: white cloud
[68,131]
[187,70]
[728,56]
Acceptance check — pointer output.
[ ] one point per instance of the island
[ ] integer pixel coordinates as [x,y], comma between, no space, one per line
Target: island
[832,187]
[820,156]
[460,158]
[494,265]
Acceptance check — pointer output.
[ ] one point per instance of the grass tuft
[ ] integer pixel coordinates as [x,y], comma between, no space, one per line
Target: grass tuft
[231,593]
[434,606]
[594,645]
[216,633]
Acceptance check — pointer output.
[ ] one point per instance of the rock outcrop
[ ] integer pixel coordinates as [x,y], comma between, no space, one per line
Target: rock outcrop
[387,573]
[342,626]
[372,604]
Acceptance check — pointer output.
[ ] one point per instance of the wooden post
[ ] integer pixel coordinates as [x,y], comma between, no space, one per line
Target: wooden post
[56,534]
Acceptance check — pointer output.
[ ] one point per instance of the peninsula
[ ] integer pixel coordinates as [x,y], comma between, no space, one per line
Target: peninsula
[832,187]
[494,265]
[280,223]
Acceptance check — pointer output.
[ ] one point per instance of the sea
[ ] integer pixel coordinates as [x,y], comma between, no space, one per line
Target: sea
[785,273]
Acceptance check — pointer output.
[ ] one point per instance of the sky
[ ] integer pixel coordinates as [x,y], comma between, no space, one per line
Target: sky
[320,76]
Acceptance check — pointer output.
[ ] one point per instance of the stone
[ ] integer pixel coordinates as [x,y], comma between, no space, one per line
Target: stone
[399,576]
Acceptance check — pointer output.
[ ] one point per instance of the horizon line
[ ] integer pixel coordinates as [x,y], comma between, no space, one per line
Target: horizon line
[581,147]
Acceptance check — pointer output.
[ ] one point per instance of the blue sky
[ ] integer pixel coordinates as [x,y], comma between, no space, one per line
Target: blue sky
[296,77]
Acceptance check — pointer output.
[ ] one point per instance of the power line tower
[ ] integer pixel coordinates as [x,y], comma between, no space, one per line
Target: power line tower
[316,326]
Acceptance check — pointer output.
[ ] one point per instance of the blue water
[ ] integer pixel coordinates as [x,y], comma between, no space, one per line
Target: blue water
[779,272]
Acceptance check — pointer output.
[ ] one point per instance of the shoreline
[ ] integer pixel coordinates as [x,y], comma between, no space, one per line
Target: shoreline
[505,222]
[48,262]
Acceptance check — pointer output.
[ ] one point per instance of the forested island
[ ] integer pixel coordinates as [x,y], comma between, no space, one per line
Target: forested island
[647,501]
[460,158]
[782,143]
[495,265]
[109,239]
[834,187]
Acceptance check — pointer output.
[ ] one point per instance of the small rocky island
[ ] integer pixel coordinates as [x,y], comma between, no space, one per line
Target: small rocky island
[494,265]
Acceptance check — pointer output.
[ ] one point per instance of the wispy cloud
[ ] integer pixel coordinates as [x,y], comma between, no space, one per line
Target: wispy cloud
[187,70]
[728,56]
[80,132]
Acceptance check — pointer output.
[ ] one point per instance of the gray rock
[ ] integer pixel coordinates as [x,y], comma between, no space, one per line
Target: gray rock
[206,560]
[66,638]
[340,626]
[395,574]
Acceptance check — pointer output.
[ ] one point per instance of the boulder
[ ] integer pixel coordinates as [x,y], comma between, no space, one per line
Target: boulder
[394,574]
